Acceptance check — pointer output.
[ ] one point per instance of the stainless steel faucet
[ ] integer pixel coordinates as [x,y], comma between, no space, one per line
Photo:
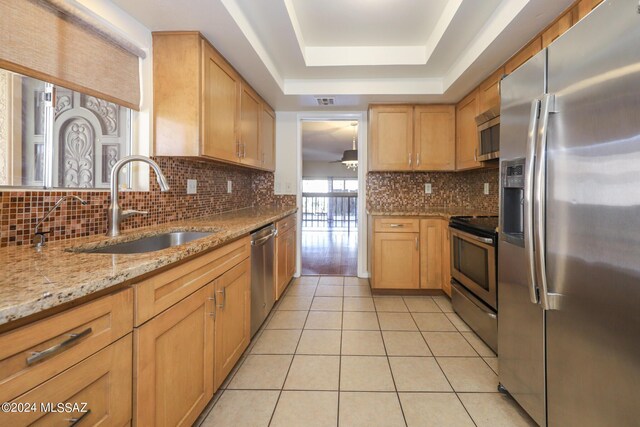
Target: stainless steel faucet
[38,237]
[116,214]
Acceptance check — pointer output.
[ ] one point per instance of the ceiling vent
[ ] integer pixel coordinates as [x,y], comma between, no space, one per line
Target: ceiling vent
[325,101]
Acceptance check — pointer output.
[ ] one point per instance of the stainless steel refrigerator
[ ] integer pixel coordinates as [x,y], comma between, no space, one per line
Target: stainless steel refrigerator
[569,249]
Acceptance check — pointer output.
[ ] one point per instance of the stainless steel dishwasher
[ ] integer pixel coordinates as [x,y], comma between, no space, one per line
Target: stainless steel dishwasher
[262,275]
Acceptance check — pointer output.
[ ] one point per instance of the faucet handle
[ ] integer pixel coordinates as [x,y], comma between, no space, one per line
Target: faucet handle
[130,212]
[39,239]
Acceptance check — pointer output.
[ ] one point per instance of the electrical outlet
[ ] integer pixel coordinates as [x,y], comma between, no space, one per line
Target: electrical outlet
[192,186]
[486,188]
[427,188]
[229,186]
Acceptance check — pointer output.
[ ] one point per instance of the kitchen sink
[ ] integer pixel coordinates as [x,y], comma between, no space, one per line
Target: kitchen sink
[148,244]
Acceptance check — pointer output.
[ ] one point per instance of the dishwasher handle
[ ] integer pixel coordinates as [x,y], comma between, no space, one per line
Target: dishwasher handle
[264,240]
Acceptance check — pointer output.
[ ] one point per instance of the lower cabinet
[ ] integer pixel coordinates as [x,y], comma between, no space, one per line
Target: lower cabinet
[410,253]
[175,362]
[101,381]
[396,260]
[232,318]
[285,257]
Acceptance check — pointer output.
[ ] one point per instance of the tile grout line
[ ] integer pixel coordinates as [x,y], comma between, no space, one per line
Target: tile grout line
[384,345]
[340,357]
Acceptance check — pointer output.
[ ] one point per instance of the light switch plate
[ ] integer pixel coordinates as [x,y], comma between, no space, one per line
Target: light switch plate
[486,188]
[192,186]
[427,188]
[229,186]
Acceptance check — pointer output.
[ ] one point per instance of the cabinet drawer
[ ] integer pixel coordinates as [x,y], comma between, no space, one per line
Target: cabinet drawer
[286,223]
[102,382]
[159,292]
[62,340]
[397,225]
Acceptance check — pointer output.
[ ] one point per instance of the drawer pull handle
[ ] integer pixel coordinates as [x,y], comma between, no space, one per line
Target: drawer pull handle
[396,225]
[75,421]
[38,356]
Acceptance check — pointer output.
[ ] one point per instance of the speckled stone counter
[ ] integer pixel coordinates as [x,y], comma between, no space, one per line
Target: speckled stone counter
[440,212]
[33,281]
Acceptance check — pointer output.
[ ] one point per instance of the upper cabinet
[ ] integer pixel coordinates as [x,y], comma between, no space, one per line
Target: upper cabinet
[467,132]
[390,137]
[489,91]
[523,56]
[407,137]
[203,107]
[586,6]
[557,29]
[268,137]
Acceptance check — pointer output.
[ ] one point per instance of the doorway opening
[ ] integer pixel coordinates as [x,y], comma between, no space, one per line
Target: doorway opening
[329,204]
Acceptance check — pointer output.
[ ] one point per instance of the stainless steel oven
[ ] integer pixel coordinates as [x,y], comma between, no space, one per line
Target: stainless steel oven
[474,293]
[473,264]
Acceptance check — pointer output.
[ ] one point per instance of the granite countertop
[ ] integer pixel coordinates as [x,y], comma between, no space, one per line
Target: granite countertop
[445,212]
[33,281]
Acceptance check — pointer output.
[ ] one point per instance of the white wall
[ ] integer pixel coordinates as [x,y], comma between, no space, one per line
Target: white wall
[286,175]
[325,169]
[140,35]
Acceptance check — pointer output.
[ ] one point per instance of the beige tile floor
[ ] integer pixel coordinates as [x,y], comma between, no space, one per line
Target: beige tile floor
[330,354]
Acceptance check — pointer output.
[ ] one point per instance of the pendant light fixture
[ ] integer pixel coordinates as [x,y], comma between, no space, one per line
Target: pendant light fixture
[350,157]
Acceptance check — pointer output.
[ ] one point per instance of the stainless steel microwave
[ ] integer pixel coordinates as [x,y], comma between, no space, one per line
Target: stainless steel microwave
[489,134]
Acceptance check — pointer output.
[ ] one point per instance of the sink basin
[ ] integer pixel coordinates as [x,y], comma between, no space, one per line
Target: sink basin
[151,243]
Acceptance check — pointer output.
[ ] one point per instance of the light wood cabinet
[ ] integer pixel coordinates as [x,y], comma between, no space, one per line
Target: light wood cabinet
[233,318]
[523,55]
[406,137]
[102,381]
[434,137]
[467,133]
[396,260]
[175,362]
[390,137]
[431,253]
[285,256]
[268,137]
[489,91]
[557,29]
[62,340]
[446,258]
[586,6]
[221,107]
[201,105]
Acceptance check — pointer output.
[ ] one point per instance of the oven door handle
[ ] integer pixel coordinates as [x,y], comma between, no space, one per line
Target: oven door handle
[480,239]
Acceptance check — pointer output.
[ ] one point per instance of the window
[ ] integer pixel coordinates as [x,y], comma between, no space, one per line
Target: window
[315,185]
[329,185]
[53,137]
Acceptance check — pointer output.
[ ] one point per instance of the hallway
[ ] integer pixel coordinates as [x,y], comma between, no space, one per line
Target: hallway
[329,251]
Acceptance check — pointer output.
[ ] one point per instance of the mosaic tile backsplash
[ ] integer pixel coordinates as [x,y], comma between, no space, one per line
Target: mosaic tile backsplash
[404,191]
[20,210]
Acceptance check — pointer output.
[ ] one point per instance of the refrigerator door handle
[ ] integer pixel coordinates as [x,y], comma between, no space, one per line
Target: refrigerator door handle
[528,199]
[547,107]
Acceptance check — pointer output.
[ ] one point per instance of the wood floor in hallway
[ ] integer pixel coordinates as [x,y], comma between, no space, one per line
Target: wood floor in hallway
[333,252]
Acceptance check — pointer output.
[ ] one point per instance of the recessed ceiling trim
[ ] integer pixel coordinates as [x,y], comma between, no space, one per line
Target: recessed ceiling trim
[297,29]
[243,23]
[441,27]
[338,56]
[504,14]
[427,86]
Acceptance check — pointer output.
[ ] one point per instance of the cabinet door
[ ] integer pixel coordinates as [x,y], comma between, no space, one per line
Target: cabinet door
[174,362]
[221,107]
[396,260]
[291,253]
[586,6]
[489,91]
[557,29]
[250,110]
[391,138]
[446,258]
[430,254]
[233,318]
[268,137]
[102,381]
[435,144]
[467,133]
[281,264]
[523,56]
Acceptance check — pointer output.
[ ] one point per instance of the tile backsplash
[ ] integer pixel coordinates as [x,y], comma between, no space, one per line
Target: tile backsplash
[404,191]
[20,210]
